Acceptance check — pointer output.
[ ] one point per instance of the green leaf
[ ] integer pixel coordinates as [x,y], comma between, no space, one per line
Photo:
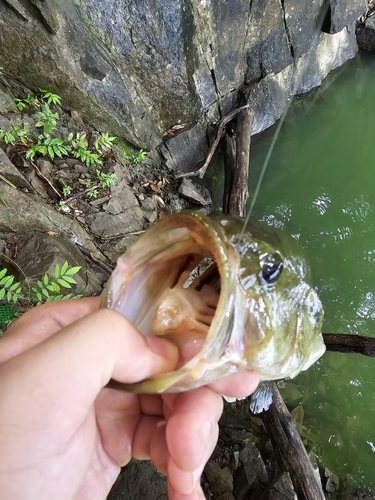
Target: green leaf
[46,279]
[63,283]
[72,270]
[54,287]
[69,296]
[2,293]
[39,297]
[9,296]
[64,268]
[7,281]
[57,271]
[45,292]
[3,273]
[40,284]
[69,279]
[14,286]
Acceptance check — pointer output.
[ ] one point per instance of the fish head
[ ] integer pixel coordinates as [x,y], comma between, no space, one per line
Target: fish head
[251,309]
[284,314]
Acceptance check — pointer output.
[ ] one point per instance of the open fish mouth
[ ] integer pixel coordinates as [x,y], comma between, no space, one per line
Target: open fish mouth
[234,316]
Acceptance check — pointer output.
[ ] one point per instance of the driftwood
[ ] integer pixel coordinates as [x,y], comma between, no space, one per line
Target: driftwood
[287,443]
[290,451]
[221,125]
[356,344]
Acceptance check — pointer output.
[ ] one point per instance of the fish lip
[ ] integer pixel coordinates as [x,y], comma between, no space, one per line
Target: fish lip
[154,249]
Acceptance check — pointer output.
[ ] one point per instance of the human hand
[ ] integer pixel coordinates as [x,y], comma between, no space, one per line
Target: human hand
[64,436]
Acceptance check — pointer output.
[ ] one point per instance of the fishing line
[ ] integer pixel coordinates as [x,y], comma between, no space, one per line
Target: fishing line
[297,77]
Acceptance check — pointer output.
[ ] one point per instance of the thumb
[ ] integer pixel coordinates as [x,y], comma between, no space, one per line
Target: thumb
[69,369]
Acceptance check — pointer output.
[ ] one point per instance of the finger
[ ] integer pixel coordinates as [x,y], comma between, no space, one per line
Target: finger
[192,427]
[189,482]
[239,385]
[196,493]
[149,441]
[41,322]
[75,363]
[117,416]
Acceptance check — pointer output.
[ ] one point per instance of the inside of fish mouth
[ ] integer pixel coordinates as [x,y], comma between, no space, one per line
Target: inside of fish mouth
[187,304]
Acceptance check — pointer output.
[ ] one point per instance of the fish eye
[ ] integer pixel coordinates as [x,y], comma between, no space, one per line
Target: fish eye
[271,267]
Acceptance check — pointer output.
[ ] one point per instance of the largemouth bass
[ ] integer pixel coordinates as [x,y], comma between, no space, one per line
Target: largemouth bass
[253,308]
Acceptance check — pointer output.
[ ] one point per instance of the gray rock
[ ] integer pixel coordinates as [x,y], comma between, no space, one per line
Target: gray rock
[44,165]
[244,478]
[10,172]
[331,482]
[25,212]
[251,459]
[110,226]
[282,489]
[139,480]
[191,193]
[226,496]
[345,12]
[39,253]
[5,124]
[366,36]
[220,480]
[6,102]
[171,62]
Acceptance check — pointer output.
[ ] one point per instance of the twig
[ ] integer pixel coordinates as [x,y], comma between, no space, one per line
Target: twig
[81,193]
[221,124]
[108,269]
[45,179]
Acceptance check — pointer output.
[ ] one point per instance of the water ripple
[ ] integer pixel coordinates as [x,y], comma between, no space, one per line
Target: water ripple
[321,203]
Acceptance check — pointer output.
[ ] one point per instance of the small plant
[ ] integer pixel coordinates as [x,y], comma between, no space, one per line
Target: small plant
[48,120]
[11,136]
[140,156]
[67,190]
[47,290]
[62,207]
[104,142]
[9,289]
[82,152]
[50,97]
[106,180]
[87,183]
[21,104]
[51,146]
[92,194]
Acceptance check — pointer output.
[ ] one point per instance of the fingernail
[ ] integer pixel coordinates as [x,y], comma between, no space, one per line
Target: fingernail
[162,347]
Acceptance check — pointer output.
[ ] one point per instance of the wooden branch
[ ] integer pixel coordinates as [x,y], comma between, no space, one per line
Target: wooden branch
[290,451]
[221,124]
[287,443]
[343,342]
[240,190]
[229,157]
[108,269]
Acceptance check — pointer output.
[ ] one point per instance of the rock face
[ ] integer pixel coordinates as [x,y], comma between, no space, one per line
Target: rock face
[143,66]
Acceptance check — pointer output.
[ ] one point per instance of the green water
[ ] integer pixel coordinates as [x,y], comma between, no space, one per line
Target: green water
[320,187]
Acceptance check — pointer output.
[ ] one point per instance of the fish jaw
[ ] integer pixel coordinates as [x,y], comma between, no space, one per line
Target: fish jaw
[154,263]
[274,359]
